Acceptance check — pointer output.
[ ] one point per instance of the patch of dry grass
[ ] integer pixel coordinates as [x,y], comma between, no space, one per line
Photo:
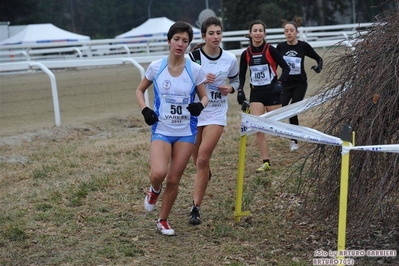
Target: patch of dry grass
[77,196]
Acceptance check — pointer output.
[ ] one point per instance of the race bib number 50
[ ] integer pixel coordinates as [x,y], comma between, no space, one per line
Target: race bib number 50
[173,110]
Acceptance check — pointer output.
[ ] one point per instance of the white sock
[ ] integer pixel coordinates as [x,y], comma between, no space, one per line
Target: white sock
[155,191]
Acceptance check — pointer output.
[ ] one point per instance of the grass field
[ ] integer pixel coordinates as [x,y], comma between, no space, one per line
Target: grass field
[73,195]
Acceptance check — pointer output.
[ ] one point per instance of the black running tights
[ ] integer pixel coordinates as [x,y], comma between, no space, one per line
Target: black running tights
[294,94]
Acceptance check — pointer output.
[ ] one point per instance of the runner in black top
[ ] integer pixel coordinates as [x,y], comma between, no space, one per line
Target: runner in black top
[294,52]
[266,88]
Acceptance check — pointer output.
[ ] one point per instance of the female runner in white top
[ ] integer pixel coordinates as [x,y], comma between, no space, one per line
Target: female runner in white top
[218,65]
[176,80]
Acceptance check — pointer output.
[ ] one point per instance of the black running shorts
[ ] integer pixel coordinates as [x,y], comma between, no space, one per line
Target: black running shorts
[265,96]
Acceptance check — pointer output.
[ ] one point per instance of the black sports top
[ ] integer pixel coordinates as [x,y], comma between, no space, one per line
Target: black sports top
[294,55]
[262,54]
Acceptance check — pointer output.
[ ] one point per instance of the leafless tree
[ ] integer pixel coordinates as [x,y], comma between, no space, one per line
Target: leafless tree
[367,76]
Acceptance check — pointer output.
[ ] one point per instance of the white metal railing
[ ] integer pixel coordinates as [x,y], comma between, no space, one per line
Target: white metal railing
[45,66]
[146,48]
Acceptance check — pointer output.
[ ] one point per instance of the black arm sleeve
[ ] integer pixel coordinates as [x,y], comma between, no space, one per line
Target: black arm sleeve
[310,52]
[243,70]
[320,63]
[281,63]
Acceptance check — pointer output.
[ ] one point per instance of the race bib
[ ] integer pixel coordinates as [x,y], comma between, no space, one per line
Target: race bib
[215,99]
[294,63]
[260,75]
[173,109]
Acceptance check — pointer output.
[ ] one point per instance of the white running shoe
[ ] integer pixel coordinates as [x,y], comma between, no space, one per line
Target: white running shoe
[150,200]
[293,146]
[163,226]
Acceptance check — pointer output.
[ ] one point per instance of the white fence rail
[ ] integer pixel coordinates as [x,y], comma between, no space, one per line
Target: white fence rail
[45,66]
[142,50]
[146,49]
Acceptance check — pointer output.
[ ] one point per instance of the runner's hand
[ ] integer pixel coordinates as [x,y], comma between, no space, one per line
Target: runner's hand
[245,107]
[240,96]
[278,88]
[150,116]
[316,69]
[195,108]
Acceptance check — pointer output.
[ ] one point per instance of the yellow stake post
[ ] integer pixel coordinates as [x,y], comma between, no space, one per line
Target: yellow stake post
[240,181]
[343,198]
